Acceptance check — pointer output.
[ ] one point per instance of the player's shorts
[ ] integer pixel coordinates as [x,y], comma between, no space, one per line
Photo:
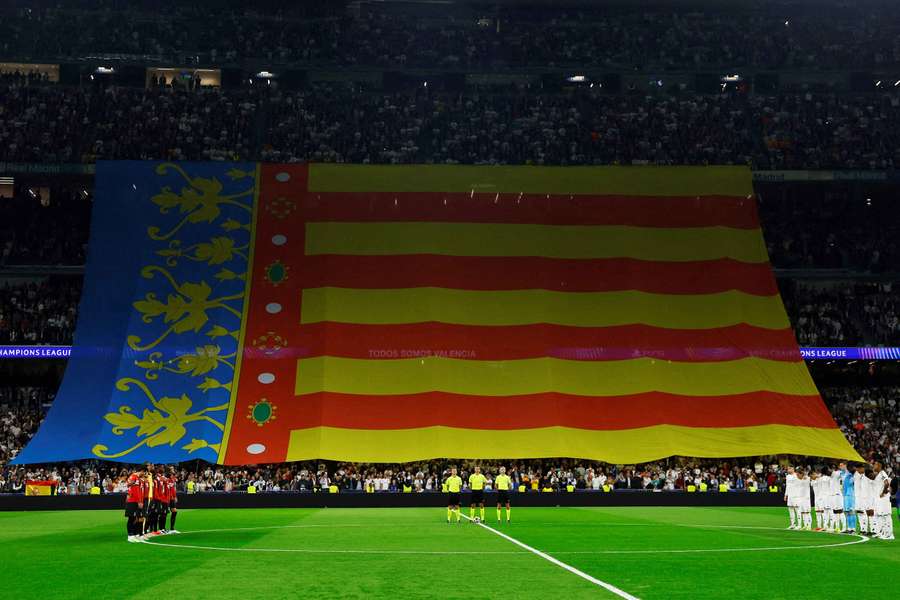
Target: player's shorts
[477,497]
[849,504]
[803,505]
[453,499]
[837,503]
[132,510]
[160,508]
[502,496]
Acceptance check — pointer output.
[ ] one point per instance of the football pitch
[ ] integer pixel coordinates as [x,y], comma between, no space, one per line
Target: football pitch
[390,553]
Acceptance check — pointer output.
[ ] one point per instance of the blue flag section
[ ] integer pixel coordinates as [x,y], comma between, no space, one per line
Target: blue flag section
[150,372]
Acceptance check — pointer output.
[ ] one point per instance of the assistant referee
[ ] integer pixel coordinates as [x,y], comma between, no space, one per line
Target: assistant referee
[502,483]
[454,485]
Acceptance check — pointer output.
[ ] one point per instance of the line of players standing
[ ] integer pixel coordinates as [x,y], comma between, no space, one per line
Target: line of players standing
[151,496]
[845,501]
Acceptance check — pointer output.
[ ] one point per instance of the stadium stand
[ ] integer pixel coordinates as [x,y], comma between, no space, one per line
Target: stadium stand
[658,37]
[49,123]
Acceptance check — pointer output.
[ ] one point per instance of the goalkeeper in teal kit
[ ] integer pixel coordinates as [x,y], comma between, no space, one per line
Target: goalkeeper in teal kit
[848,488]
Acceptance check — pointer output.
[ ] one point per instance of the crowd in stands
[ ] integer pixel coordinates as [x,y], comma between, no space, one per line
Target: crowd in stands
[769,36]
[867,416]
[35,230]
[842,315]
[831,229]
[40,311]
[345,123]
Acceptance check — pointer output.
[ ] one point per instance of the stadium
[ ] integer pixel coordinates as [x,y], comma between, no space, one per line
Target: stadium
[450,299]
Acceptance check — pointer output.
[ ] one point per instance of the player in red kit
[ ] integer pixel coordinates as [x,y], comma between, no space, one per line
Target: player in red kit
[147,503]
[172,495]
[134,505]
[160,501]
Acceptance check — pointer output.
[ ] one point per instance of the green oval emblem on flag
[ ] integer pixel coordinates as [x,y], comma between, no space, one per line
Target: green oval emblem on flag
[261,412]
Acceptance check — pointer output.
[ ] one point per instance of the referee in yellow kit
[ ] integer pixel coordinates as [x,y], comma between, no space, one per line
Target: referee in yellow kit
[454,485]
[502,483]
[476,485]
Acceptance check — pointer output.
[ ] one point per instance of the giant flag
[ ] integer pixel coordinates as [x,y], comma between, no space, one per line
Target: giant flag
[244,313]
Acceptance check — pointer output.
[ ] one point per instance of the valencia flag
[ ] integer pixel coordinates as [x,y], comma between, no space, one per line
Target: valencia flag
[396,313]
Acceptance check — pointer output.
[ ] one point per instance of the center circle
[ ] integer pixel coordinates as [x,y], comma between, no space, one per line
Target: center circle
[860,539]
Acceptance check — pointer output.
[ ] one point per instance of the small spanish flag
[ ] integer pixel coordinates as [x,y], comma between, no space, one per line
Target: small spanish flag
[39,488]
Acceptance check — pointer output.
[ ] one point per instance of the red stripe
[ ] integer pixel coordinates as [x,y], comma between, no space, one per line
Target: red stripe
[638,211]
[526,272]
[552,409]
[476,342]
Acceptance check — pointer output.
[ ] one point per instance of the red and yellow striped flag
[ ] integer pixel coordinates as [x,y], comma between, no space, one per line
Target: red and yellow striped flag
[618,314]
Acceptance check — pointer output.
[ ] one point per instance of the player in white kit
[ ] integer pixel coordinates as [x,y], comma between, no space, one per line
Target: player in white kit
[802,485]
[790,498]
[839,520]
[816,481]
[884,522]
[862,500]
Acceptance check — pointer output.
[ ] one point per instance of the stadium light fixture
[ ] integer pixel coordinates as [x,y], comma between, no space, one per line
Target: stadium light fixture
[105,70]
[576,78]
[265,75]
[897,83]
[878,83]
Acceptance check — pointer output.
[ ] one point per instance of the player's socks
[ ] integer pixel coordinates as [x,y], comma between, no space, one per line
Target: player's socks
[172,521]
[843,521]
[508,510]
[482,513]
[449,513]
[458,514]
[498,515]
[472,513]
[807,521]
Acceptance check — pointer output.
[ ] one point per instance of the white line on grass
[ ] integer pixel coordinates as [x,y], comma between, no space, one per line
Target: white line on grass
[306,551]
[607,586]
[329,526]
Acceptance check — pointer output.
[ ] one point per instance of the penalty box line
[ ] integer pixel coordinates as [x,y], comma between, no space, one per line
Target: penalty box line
[607,586]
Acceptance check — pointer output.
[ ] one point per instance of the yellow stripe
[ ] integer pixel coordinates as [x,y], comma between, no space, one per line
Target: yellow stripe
[631,181]
[553,241]
[618,447]
[527,307]
[223,446]
[539,375]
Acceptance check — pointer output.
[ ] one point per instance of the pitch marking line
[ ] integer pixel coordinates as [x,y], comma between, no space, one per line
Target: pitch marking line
[862,539]
[302,551]
[607,586]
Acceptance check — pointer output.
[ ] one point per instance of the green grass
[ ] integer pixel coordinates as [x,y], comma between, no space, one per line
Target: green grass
[413,553]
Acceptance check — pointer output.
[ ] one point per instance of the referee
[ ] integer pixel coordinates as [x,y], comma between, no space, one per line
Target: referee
[476,484]
[454,484]
[502,484]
